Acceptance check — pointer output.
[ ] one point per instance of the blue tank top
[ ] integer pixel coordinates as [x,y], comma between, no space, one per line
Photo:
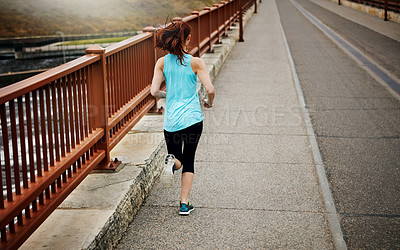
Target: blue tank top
[182,105]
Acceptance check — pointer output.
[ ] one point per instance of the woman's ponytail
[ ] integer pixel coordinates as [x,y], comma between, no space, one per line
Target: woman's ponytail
[172,38]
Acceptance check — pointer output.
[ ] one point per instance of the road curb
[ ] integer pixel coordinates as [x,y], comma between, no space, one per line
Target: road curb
[331,212]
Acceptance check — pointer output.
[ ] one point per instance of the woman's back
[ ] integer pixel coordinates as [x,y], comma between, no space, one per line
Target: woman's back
[182,107]
[183,120]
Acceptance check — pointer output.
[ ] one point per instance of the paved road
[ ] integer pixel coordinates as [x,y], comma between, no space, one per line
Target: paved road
[356,120]
[383,50]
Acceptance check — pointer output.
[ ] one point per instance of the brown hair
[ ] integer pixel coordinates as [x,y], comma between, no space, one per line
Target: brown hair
[172,38]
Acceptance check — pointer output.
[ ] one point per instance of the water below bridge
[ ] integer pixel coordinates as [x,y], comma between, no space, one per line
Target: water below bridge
[12,65]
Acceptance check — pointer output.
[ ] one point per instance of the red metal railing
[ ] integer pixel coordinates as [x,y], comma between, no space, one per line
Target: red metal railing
[387,5]
[56,127]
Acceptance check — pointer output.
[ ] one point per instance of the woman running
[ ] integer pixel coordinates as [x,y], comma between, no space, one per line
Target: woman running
[183,119]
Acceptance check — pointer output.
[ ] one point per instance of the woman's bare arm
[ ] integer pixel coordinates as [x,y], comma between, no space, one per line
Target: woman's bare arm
[158,78]
[199,67]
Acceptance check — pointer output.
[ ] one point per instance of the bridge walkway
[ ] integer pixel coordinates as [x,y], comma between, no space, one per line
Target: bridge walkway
[255,182]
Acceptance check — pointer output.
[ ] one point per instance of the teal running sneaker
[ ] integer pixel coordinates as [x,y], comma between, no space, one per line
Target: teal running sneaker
[185,209]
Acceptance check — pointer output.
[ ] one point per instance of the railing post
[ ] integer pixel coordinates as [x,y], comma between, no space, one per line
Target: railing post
[98,108]
[386,9]
[177,19]
[231,11]
[225,15]
[218,25]
[198,32]
[209,28]
[152,30]
[240,22]
[234,11]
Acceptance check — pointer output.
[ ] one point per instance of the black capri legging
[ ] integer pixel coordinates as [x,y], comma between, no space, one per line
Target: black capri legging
[188,138]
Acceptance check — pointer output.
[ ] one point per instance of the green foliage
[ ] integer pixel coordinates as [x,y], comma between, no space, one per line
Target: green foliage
[46,17]
[94,41]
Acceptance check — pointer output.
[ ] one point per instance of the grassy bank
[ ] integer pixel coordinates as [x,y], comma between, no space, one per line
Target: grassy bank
[94,41]
[46,17]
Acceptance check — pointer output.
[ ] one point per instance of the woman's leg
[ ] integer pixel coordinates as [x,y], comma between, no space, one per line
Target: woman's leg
[186,185]
[190,138]
[174,146]
[178,164]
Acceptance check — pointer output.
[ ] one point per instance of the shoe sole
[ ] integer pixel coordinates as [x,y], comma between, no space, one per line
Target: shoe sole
[169,165]
[186,213]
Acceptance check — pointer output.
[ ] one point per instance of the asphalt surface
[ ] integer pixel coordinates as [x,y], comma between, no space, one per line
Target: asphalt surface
[383,50]
[356,120]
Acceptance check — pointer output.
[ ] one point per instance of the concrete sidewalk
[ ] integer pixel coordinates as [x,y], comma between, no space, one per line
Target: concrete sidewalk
[255,181]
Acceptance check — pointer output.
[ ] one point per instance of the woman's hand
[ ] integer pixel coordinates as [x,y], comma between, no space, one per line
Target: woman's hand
[161,94]
[206,104]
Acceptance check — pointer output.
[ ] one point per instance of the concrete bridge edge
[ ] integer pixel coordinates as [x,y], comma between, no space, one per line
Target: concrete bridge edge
[373,11]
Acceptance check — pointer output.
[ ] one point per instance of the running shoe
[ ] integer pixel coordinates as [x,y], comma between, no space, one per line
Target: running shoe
[169,163]
[185,209]
[167,176]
